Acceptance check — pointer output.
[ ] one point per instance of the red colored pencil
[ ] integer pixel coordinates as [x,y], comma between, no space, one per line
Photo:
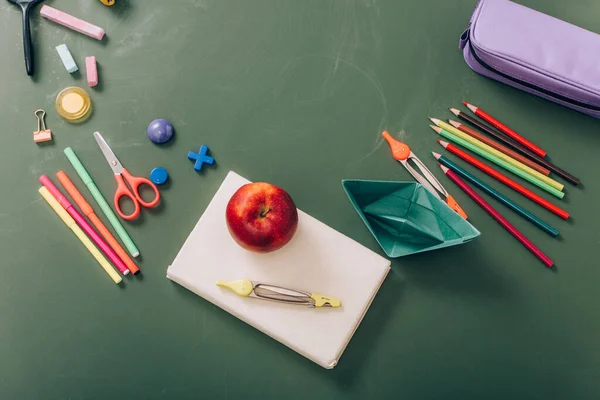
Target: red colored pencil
[503,149]
[505,129]
[498,217]
[505,180]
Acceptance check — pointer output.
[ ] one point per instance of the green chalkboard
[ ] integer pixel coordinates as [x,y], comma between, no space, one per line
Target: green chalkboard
[294,92]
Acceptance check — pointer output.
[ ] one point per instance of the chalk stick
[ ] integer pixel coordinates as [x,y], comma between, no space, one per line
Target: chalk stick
[91,70]
[72,22]
[67,58]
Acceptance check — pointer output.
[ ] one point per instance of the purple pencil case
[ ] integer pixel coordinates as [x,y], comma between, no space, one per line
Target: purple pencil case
[536,53]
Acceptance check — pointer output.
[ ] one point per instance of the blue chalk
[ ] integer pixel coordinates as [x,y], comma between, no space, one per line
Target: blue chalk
[67,58]
[159,176]
[201,158]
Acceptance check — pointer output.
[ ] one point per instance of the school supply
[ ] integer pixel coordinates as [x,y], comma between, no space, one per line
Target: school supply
[159,176]
[26,7]
[496,153]
[534,52]
[498,217]
[318,257]
[71,22]
[405,218]
[67,58]
[70,222]
[264,291]
[503,149]
[127,185]
[74,104]
[42,134]
[508,142]
[85,226]
[402,153]
[200,158]
[97,195]
[497,195]
[505,180]
[498,161]
[160,131]
[91,70]
[89,213]
[505,129]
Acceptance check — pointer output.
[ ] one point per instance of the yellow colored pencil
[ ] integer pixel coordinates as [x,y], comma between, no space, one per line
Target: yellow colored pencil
[502,156]
[70,222]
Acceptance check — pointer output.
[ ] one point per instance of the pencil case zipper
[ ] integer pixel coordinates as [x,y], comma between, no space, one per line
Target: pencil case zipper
[512,63]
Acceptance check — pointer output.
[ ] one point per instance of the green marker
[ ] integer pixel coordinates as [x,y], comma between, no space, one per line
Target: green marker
[498,161]
[89,183]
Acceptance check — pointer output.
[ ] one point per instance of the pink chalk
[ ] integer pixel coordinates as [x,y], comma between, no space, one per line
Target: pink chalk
[70,21]
[91,70]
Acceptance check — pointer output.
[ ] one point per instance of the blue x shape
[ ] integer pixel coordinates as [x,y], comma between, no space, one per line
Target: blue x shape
[201,158]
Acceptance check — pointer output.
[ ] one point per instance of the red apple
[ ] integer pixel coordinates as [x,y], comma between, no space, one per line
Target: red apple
[261,217]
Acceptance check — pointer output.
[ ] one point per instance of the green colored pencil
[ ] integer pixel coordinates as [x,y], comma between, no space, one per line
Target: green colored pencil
[112,218]
[497,195]
[532,179]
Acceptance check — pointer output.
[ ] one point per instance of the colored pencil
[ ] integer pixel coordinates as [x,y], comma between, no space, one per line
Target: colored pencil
[499,162]
[503,149]
[497,195]
[498,217]
[505,129]
[505,180]
[89,213]
[490,131]
[500,155]
[70,222]
[84,225]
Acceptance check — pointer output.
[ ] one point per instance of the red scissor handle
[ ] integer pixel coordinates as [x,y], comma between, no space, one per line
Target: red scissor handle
[134,195]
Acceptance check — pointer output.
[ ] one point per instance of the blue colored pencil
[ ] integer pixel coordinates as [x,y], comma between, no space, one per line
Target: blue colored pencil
[498,196]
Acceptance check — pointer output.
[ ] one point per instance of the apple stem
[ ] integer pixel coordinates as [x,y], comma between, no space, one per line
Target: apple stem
[263,212]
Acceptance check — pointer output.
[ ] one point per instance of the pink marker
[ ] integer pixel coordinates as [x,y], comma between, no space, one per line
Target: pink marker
[72,22]
[91,70]
[84,225]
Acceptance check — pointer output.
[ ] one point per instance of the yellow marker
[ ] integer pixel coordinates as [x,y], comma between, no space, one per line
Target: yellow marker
[74,104]
[70,222]
[502,156]
[247,288]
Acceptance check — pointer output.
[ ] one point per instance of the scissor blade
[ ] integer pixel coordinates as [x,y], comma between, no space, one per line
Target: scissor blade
[113,161]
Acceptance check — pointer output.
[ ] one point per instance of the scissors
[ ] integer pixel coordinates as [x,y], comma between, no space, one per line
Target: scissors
[247,288]
[123,176]
[402,153]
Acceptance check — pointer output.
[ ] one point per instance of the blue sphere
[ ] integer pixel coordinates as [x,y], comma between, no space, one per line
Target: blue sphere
[160,131]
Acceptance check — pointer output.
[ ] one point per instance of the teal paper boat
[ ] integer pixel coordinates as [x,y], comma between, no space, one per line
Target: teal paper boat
[406,218]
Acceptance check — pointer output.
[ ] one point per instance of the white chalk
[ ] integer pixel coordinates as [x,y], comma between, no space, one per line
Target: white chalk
[72,22]
[91,70]
[67,58]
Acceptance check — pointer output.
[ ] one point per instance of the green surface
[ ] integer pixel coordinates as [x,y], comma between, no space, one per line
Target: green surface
[294,92]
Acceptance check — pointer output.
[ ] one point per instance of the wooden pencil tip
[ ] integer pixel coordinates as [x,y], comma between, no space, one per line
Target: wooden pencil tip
[434,120]
[444,168]
[470,106]
[436,155]
[465,103]
[454,123]
[436,128]
[455,111]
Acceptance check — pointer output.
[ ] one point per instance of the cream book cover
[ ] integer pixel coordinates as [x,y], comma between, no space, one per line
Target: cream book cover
[318,259]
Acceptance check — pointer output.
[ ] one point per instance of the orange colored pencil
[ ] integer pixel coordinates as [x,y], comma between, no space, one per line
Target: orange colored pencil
[88,211]
[503,149]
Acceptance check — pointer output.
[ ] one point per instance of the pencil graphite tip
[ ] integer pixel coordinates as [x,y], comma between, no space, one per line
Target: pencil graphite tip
[436,155]
[436,128]
[434,120]
[454,123]
[443,143]
[444,168]
[470,106]
[455,111]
